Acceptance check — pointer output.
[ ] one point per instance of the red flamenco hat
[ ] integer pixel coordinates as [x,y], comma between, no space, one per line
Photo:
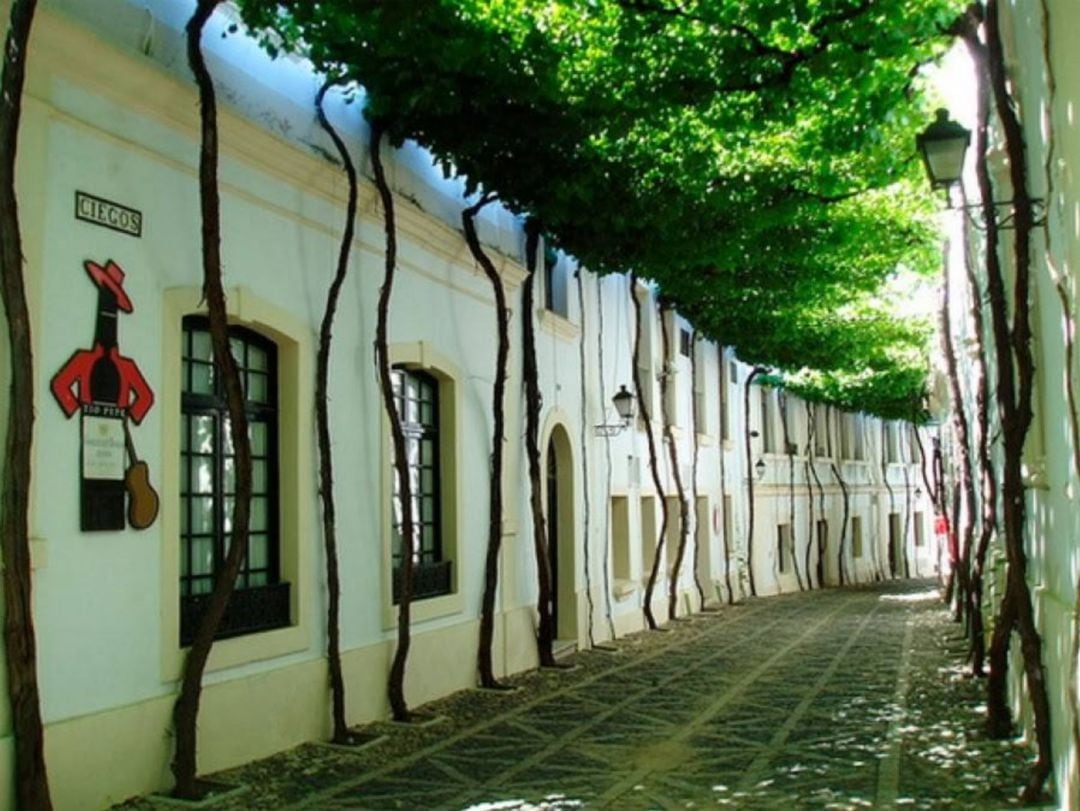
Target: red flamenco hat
[110,277]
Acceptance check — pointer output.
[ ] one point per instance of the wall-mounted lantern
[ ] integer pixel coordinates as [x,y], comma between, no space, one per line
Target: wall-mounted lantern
[759,468]
[624,407]
[943,147]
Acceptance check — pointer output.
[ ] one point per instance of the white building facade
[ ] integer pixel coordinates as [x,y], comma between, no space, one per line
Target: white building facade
[1045,84]
[109,209]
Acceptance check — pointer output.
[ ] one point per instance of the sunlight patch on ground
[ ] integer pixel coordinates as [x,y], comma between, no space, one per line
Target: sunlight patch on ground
[915,597]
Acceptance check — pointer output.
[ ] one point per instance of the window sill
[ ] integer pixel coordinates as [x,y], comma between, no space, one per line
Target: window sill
[706,439]
[423,610]
[242,650]
[623,588]
[559,325]
[782,458]
[660,586]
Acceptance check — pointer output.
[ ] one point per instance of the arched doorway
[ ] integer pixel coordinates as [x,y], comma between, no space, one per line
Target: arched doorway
[559,518]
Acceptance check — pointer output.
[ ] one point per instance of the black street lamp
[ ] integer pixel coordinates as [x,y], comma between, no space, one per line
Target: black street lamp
[943,145]
[624,404]
[624,407]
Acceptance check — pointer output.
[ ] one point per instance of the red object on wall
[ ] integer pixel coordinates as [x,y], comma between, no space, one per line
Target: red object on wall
[108,389]
[73,385]
[941,525]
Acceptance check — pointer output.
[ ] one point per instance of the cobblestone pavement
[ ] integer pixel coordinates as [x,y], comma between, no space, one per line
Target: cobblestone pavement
[832,699]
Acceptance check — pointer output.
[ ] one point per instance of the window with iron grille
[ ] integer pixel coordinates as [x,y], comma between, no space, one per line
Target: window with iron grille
[417,396]
[768,434]
[684,342]
[858,446]
[646,363]
[208,484]
[725,415]
[822,445]
[846,435]
[891,439]
[556,296]
[703,419]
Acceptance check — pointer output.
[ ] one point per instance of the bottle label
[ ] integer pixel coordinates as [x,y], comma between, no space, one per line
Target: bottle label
[103,444]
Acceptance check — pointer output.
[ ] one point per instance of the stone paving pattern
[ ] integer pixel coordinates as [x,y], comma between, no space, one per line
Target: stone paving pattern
[840,699]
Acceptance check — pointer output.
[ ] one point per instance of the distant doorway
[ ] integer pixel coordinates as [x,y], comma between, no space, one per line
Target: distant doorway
[896,546]
[559,504]
[822,550]
[553,532]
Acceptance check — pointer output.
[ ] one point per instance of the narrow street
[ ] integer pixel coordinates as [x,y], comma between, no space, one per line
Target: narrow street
[840,699]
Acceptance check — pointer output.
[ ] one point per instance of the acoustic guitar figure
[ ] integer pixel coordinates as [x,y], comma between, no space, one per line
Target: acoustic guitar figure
[143,501]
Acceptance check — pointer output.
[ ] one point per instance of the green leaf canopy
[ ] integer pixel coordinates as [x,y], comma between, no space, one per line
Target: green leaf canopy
[753,157]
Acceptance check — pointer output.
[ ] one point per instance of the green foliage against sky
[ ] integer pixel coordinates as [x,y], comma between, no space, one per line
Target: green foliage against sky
[753,157]
[889,375]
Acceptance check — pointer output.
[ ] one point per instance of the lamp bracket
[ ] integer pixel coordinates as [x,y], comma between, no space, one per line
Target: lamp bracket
[1006,220]
[613,429]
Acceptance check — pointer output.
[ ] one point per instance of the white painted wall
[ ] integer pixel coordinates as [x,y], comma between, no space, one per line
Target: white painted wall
[1054,147]
[1040,54]
[105,117]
